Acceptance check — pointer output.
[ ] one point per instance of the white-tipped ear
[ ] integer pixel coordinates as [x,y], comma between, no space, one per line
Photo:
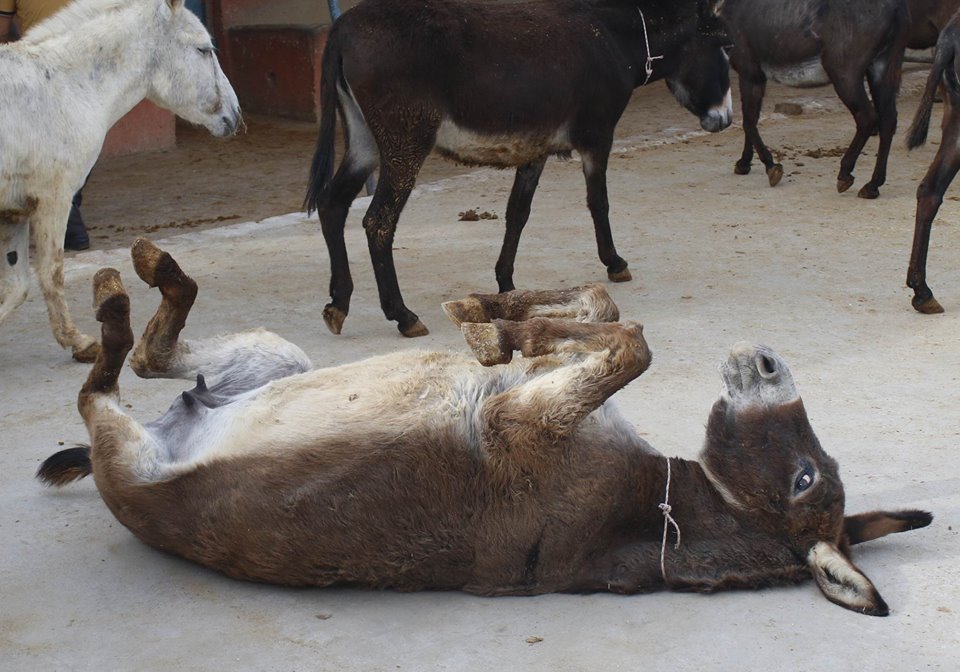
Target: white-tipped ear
[842,583]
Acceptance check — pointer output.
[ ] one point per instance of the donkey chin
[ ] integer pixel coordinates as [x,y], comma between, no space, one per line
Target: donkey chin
[719,117]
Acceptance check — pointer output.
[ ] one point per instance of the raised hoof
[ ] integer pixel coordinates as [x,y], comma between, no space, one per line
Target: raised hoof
[88,354]
[146,260]
[484,340]
[844,183]
[620,276]
[465,310]
[928,306]
[741,168]
[868,191]
[333,318]
[775,174]
[415,330]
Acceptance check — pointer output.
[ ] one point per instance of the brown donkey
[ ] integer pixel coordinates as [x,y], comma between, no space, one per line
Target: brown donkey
[429,470]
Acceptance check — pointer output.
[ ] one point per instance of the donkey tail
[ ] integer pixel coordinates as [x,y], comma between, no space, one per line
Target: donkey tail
[321,168]
[66,466]
[942,60]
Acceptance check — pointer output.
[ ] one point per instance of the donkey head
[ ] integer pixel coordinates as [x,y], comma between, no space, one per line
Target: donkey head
[701,83]
[764,458]
[188,79]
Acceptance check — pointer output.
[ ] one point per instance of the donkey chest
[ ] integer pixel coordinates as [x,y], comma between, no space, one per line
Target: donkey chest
[502,150]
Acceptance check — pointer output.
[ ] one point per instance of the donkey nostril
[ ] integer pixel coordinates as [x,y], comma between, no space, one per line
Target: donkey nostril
[12,258]
[766,366]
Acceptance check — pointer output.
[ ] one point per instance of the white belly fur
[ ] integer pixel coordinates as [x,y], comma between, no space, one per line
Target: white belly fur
[471,147]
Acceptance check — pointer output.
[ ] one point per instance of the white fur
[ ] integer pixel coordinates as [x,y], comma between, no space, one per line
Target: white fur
[499,150]
[63,86]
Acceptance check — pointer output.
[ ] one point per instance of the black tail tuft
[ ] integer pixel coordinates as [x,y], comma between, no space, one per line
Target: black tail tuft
[66,466]
[321,168]
[943,58]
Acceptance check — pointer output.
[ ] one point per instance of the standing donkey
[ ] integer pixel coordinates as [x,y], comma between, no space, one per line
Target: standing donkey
[64,84]
[853,40]
[493,84]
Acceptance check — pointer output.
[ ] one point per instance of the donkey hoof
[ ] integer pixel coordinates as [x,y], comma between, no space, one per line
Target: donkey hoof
[86,354]
[844,183]
[465,310]
[146,259]
[620,276]
[928,306]
[869,191]
[485,341]
[415,330]
[775,174]
[333,317]
[741,168]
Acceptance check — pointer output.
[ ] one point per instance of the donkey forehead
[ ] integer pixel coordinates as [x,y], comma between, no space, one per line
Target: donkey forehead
[756,376]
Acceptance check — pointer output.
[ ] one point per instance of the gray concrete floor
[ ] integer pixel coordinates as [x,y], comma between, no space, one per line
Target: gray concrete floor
[716,259]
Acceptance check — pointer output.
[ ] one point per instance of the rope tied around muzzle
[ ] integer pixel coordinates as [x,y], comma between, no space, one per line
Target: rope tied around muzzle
[648,67]
[668,520]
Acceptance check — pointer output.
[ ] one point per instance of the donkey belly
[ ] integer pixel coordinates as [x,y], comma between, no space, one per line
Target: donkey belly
[804,74]
[501,150]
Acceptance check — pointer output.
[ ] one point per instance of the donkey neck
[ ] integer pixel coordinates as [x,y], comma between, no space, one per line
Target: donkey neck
[106,65]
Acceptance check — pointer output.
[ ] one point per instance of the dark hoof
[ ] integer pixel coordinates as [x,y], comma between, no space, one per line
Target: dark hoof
[333,317]
[869,191]
[775,174]
[88,354]
[465,310]
[484,340]
[928,306]
[414,330]
[844,183]
[741,168]
[147,260]
[620,276]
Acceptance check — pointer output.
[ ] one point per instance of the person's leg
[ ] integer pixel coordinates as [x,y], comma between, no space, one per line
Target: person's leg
[76,238]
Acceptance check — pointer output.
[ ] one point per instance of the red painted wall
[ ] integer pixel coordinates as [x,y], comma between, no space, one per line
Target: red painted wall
[144,128]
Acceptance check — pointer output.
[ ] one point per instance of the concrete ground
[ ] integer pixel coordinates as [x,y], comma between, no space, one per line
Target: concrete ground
[716,258]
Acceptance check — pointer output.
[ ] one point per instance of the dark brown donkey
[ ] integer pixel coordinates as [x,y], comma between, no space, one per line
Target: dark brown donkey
[501,84]
[853,40]
[945,164]
[428,470]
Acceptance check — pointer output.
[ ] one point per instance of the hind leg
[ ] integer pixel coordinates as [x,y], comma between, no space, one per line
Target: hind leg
[231,364]
[591,303]
[883,91]
[518,211]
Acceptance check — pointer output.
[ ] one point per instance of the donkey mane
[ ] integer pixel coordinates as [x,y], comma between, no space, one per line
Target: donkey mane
[73,14]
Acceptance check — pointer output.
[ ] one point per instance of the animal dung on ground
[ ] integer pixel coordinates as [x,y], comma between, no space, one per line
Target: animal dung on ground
[472,215]
[789,109]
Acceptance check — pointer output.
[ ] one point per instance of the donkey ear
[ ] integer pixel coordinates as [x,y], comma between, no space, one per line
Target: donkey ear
[715,7]
[175,5]
[875,524]
[842,583]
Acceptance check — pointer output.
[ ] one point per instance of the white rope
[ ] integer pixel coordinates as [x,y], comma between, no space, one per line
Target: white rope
[650,59]
[667,521]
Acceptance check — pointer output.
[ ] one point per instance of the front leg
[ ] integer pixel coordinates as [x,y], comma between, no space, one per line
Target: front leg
[590,303]
[49,228]
[589,363]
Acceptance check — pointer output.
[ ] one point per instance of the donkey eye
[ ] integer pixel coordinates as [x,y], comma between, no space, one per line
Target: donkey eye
[205,50]
[804,480]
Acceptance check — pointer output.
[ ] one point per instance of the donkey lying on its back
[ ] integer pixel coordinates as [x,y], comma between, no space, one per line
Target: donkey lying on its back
[63,85]
[495,84]
[419,470]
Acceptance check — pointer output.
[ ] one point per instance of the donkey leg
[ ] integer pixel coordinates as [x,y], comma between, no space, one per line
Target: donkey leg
[883,92]
[518,211]
[929,198]
[15,250]
[380,223]
[344,187]
[49,227]
[589,363]
[849,88]
[590,303]
[231,364]
[595,173]
[753,86]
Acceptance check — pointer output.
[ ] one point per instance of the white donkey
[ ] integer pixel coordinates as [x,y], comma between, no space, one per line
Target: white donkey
[62,87]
